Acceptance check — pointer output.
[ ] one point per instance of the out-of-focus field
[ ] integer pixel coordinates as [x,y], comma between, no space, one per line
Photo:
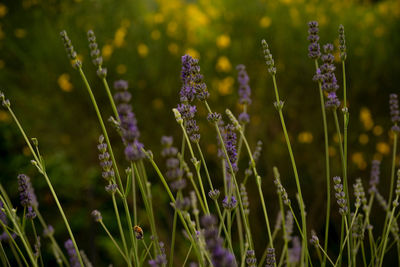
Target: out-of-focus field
[142,42]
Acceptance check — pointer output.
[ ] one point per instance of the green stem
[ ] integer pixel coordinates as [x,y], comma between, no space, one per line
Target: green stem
[171,257]
[327,167]
[393,168]
[110,97]
[114,242]
[4,258]
[120,226]
[387,233]
[296,175]
[233,176]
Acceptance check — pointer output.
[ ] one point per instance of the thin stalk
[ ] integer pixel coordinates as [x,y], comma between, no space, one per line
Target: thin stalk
[233,176]
[172,198]
[114,242]
[36,240]
[22,235]
[327,167]
[120,226]
[171,257]
[296,175]
[240,143]
[4,258]
[16,256]
[52,239]
[197,167]
[393,169]
[14,246]
[387,233]
[326,255]
[127,213]
[258,181]
[363,254]
[147,206]
[187,255]
[134,207]
[243,254]
[110,97]
[228,237]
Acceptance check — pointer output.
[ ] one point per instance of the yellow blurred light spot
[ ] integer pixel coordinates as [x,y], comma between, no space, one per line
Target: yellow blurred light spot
[287,2]
[378,156]
[225,86]
[294,16]
[379,31]
[305,137]
[223,41]
[369,19]
[78,1]
[366,119]
[358,159]
[363,139]
[173,48]
[172,28]
[158,103]
[121,69]
[26,151]
[143,50]
[107,51]
[265,22]
[119,37]
[193,53]
[197,17]
[332,151]
[20,33]
[211,149]
[2,64]
[158,18]
[378,130]
[1,33]
[336,54]
[223,64]
[155,35]
[336,138]
[383,8]
[3,10]
[383,148]
[64,83]
[4,116]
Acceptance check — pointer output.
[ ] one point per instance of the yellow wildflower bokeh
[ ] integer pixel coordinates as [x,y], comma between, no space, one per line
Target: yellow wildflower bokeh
[143,50]
[265,22]
[121,69]
[64,82]
[223,64]
[3,10]
[225,86]
[358,159]
[363,139]
[193,53]
[20,33]
[366,119]
[305,137]
[383,148]
[107,51]
[223,41]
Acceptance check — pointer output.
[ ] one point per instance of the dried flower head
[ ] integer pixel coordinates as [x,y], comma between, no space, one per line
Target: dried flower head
[268,58]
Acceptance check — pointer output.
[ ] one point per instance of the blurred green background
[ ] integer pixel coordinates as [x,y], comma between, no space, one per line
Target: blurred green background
[142,42]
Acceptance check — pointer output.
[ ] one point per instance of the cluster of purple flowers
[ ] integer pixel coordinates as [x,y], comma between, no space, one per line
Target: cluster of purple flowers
[105,162]
[295,251]
[95,54]
[340,196]
[244,92]
[314,48]
[27,195]
[229,203]
[270,262]
[375,173]
[174,172]
[229,136]
[251,260]
[3,217]
[160,259]
[73,257]
[220,257]
[128,123]
[394,112]
[192,87]
[325,74]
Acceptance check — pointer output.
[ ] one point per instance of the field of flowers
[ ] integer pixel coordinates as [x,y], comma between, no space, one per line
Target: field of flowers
[199,133]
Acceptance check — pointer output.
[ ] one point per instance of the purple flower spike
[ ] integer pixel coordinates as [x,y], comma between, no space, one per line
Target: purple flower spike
[174,172]
[73,258]
[161,259]
[230,140]
[314,48]
[326,76]
[394,112]
[244,88]
[128,126]
[220,256]
[192,81]
[27,195]
[229,204]
[375,173]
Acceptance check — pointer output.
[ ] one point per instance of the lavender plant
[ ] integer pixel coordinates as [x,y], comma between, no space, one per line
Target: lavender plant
[195,198]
